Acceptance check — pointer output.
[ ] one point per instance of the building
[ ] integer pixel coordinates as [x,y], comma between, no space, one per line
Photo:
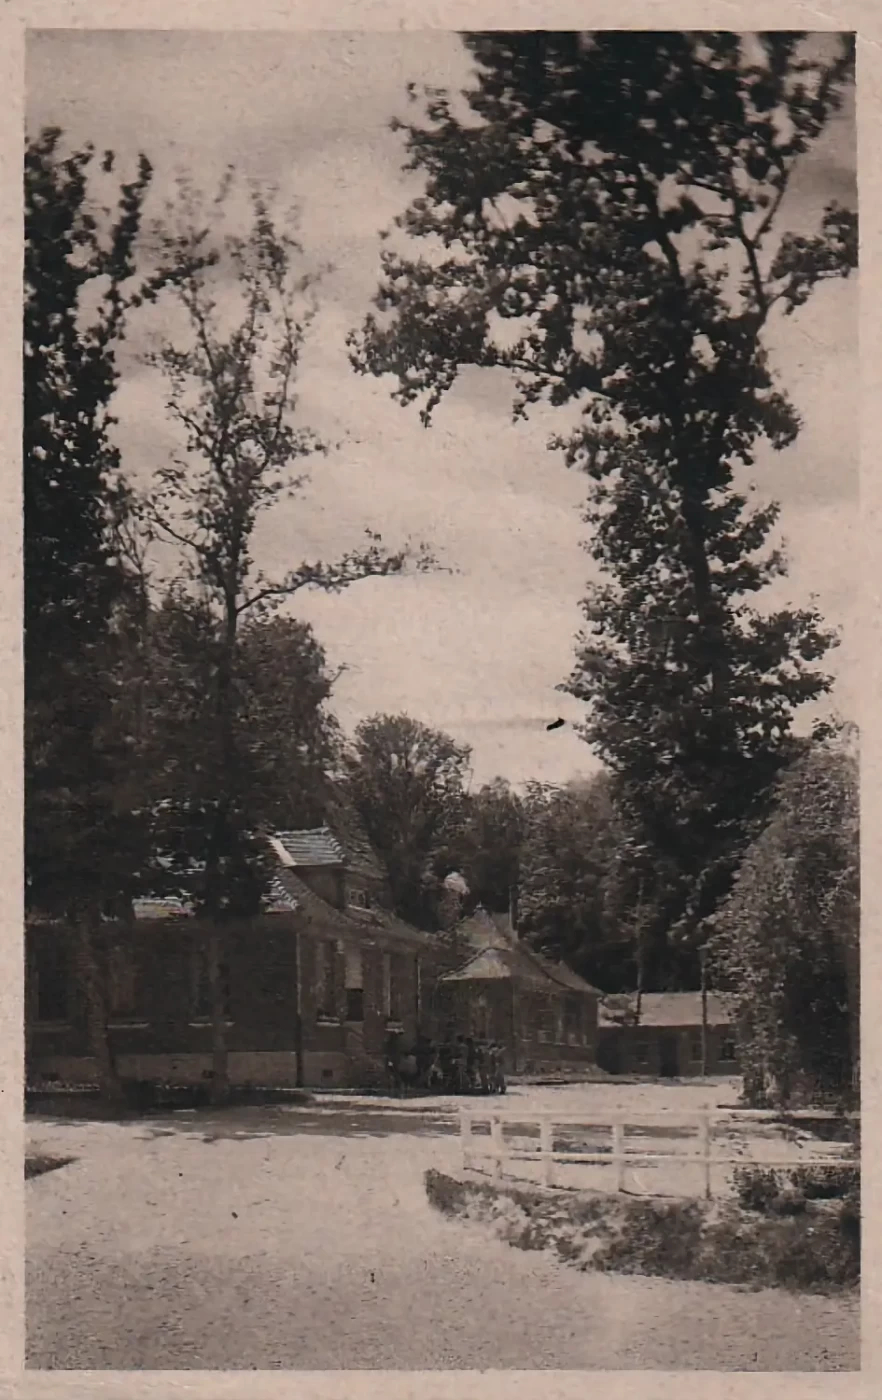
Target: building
[313,985]
[666,1042]
[542,1013]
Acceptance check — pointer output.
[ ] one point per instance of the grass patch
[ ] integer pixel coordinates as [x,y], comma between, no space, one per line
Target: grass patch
[815,1250]
[37,1164]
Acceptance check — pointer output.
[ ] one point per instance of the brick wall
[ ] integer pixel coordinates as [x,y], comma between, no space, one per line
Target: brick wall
[531,1025]
[164,1014]
[656,1051]
[162,1027]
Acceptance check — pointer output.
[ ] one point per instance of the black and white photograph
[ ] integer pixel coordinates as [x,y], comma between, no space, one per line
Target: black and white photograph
[441,670]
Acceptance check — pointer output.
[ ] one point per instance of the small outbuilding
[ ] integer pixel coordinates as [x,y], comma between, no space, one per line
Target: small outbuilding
[663,1037]
[542,1013]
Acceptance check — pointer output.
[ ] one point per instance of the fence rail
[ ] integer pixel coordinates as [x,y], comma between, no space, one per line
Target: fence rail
[493,1146]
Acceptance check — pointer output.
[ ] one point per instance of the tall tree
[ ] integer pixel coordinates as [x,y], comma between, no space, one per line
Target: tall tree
[606,220]
[568,882]
[406,781]
[787,940]
[486,847]
[80,831]
[244,306]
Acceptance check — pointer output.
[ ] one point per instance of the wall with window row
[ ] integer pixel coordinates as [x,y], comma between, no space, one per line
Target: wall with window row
[160,1006]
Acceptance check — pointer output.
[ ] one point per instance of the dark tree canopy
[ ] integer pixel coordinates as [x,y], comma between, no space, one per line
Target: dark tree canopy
[78,270]
[485,846]
[606,218]
[787,939]
[70,376]
[406,782]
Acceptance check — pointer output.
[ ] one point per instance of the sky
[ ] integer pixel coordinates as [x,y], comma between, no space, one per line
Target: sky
[478,650]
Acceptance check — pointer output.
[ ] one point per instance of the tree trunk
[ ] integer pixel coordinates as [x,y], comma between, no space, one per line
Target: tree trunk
[220,1061]
[94,993]
[220,1072]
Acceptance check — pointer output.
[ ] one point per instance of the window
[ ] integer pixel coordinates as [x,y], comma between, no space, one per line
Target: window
[573,1021]
[122,981]
[53,981]
[392,979]
[358,899]
[200,986]
[354,982]
[728,1050]
[695,1054]
[325,981]
[641,1051]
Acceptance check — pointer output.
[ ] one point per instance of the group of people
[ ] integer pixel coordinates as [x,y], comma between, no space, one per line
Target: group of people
[463,1065]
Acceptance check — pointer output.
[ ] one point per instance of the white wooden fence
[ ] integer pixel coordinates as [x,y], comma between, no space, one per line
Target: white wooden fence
[494,1148]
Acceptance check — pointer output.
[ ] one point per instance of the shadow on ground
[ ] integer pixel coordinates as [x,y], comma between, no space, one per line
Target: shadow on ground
[39,1165]
[242,1124]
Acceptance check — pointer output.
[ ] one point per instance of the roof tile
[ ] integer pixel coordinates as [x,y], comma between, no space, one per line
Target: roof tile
[668,1009]
[318,846]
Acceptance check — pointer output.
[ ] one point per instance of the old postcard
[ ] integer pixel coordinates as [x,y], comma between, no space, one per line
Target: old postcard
[445,654]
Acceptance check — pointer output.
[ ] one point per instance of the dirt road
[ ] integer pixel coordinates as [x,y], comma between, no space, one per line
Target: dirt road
[310,1244]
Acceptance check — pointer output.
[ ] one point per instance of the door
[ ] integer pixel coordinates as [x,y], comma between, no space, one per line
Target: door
[669,1056]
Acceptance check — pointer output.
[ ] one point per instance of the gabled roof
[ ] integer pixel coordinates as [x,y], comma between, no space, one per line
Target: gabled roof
[518,963]
[497,964]
[487,933]
[484,930]
[361,858]
[340,923]
[308,849]
[673,1009]
[490,965]
[559,972]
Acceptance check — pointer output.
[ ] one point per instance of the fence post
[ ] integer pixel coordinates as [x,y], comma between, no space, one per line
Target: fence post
[618,1147]
[704,1131]
[546,1147]
[498,1144]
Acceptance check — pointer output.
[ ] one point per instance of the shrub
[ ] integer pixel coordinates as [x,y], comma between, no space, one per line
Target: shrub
[445,1193]
[756,1188]
[786,1244]
[825,1183]
[655,1239]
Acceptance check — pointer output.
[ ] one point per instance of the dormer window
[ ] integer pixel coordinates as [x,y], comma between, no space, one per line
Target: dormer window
[358,899]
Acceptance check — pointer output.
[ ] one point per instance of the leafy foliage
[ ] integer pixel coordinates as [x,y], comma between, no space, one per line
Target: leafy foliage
[406,780]
[787,940]
[77,293]
[486,845]
[566,887]
[815,1250]
[83,831]
[245,309]
[284,742]
[601,219]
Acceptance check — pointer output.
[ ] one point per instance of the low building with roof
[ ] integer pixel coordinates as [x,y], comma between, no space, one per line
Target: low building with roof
[497,988]
[314,983]
[662,1037]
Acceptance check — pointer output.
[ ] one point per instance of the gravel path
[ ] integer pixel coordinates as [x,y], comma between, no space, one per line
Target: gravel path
[158,1249]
